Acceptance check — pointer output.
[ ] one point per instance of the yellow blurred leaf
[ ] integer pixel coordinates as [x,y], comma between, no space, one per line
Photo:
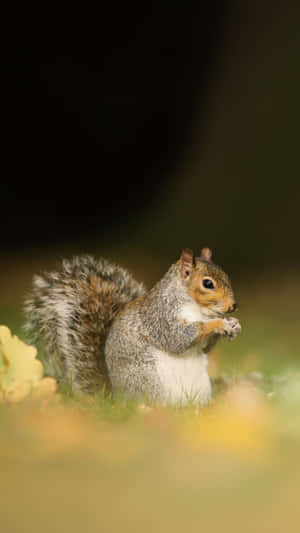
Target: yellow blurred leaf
[20,371]
[45,387]
[18,392]
[239,424]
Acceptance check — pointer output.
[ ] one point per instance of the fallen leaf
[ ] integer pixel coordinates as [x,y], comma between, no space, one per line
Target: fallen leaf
[20,371]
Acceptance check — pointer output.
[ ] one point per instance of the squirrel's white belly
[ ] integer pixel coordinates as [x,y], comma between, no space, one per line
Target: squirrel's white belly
[184,378]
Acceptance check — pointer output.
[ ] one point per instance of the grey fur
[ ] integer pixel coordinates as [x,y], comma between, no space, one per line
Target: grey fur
[71,311]
[153,323]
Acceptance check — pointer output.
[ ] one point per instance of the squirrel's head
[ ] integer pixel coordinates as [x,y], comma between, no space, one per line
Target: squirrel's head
[207,283]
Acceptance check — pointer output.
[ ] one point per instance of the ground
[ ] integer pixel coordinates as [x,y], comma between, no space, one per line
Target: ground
[74,464]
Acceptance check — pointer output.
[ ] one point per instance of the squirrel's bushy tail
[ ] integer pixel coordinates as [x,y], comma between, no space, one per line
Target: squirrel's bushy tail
[71,311]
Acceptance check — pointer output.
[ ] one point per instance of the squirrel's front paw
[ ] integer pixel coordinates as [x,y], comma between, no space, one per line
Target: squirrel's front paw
[232,327]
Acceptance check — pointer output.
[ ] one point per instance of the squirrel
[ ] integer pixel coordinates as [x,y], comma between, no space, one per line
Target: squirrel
[101,328]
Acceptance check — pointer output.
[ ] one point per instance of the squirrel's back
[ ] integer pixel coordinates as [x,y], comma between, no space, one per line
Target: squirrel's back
[71,311]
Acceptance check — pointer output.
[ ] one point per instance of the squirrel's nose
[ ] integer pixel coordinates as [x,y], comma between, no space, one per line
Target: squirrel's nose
[232,308]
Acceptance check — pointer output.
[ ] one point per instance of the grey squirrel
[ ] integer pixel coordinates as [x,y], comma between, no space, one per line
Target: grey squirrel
[102,328]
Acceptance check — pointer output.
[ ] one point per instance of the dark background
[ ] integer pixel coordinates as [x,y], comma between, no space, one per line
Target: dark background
[154,130]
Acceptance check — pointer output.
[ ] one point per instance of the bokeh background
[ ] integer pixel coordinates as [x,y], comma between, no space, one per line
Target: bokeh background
[177,127]
[133,135]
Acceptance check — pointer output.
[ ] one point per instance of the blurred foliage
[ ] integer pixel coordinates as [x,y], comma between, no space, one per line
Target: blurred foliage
[77,463]
[93,463]
[20,372]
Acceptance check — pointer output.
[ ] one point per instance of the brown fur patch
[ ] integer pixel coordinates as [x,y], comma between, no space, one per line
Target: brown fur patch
[209,328]
[222,294]
[206,254]
[187,262]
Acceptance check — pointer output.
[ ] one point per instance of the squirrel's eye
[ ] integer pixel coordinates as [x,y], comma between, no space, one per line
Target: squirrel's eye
[208,283]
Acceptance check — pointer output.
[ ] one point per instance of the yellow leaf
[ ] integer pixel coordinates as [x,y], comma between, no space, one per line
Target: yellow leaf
[45,387]
[20,371]
[239,425]
[18,393]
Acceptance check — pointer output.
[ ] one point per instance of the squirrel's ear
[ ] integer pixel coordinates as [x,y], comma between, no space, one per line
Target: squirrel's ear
[187,262]
[206,254]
